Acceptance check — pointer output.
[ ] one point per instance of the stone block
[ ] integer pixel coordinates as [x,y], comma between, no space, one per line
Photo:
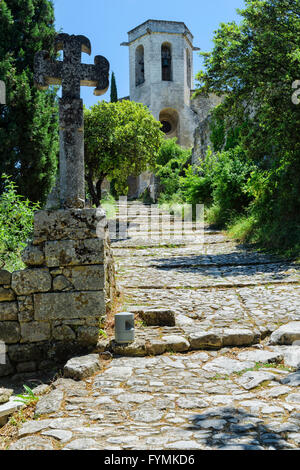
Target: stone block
[205,340]
[34,332]
[158,317]
[27,352]
[6,295]
[85,278]
[69,224]
[286,334]
[5,277]
[25,304]
[63,333]
[82,367]
[74,252]
[9,332]
[30,281]
[61,283]
[87,335]
[5,394]
[8,311]
[239,337]
[69,305]
[33,256]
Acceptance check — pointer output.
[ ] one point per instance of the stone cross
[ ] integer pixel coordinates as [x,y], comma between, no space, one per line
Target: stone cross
[71,74]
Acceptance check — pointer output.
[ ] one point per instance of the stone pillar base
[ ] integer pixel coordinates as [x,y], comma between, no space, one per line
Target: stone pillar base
[55,308]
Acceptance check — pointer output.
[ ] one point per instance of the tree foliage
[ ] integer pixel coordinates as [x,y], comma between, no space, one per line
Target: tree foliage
[255,64]
[28,123]
[113,89]
[121,139]
[16,223]
[170,165]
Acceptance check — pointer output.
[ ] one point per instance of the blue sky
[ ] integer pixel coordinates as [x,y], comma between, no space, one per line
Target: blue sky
[106,24]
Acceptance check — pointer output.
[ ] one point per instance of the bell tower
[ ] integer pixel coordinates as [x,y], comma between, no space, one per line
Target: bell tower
[161,75]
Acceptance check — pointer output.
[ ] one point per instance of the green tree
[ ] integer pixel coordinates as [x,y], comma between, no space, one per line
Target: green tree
[28,123]
[121,139]
[170,165]
[113,89]
[16,224]
[254,64]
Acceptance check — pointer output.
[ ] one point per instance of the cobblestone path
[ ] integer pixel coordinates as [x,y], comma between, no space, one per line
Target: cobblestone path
[226,376]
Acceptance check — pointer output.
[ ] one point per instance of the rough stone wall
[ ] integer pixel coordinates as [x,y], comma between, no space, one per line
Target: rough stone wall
[55,307]
[202,106]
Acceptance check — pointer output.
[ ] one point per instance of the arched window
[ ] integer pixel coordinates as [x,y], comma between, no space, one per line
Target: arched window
[188,69]
[169,119]
[139,66]
[166,62]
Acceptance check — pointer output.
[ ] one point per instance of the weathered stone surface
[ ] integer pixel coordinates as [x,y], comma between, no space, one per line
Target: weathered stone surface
[135,349]
[34,332]
[49,403]
[80,368]
[238,337]
[225,365]
[41,390]
[8,311]
[30,427]
[74,252]
[32,443]
[5,394]
[59,434]
[253,379]
[205,340]
[292,357]
[5,277]
[68,305]
[83,444]
[33,256]
[8,408]
[88,335]
[6,294]
[26,309]
[158,317]
[30,281]
[10,332]
[68,224]
[63,333]
[263,357]
[292,380]
[61,283]
[286,334]
[86,277]
[176,343]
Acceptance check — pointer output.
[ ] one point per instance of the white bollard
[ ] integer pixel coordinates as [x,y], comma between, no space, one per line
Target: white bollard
[124,328]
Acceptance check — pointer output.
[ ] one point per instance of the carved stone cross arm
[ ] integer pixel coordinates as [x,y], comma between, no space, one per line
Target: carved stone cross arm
[71,73]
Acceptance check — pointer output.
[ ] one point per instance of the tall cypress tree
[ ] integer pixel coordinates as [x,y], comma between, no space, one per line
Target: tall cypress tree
[29,121]
[113,89]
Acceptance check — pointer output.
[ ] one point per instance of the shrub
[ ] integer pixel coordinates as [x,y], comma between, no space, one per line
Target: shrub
[16,224]
[169,167]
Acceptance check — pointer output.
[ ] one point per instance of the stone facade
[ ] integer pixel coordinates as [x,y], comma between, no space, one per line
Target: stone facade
[203,105]
[55,307]
[161,77]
